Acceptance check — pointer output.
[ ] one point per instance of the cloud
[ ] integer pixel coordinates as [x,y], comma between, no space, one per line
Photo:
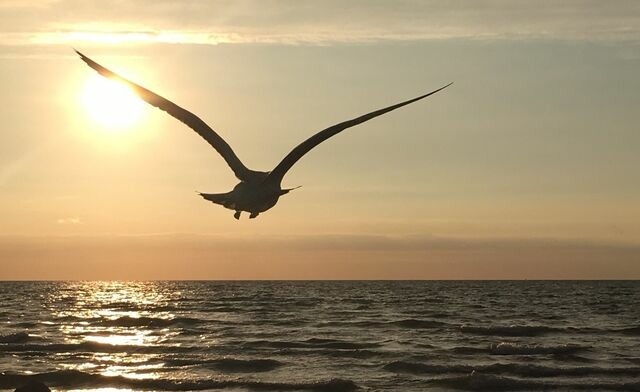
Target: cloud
[326,22]
[69,221]
[340,256]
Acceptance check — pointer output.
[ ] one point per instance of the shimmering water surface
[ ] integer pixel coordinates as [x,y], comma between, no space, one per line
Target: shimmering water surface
[321,336]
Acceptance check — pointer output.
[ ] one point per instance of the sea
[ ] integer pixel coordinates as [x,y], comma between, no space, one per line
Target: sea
[321,335]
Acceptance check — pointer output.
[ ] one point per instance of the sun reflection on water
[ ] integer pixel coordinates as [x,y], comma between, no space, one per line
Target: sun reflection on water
[122,340]
[101,390]
[115,314]
[141,372]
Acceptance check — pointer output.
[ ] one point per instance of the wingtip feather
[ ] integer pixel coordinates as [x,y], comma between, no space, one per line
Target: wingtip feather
[445,86]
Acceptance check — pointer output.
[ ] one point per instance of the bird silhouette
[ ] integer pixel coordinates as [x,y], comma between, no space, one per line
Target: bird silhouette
[257,191]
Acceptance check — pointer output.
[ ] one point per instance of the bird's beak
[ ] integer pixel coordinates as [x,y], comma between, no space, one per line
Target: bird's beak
[285,191]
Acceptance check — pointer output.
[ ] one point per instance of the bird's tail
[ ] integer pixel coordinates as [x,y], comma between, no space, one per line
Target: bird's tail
[218,198]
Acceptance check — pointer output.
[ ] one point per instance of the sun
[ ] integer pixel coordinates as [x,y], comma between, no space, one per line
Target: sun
[111,104]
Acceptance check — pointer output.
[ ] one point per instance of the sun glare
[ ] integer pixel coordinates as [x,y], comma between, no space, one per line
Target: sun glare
[111,104]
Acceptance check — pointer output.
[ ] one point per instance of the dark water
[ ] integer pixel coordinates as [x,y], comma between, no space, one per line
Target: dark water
[321,336]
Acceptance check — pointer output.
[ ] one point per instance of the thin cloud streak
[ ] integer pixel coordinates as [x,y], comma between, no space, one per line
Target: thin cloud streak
[195,22]
[308,242]
[69,221]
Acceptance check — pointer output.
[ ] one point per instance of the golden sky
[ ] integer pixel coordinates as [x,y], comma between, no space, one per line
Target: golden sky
[526,168]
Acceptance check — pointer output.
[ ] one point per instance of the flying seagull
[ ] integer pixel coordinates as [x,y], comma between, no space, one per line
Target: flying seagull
[257,191]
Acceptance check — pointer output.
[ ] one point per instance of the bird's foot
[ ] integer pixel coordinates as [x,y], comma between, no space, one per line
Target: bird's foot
[253,215]
[237,215]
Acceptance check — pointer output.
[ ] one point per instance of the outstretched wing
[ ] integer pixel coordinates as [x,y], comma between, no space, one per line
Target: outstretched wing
[190,119]
[279,171]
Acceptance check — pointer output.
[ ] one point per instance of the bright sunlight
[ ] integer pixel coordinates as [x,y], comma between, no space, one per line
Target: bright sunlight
[111,104]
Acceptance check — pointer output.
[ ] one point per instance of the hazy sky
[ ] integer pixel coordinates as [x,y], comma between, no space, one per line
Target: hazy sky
[527,167]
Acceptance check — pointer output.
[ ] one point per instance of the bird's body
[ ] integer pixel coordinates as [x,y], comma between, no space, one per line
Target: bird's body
[257,191]
[254,196]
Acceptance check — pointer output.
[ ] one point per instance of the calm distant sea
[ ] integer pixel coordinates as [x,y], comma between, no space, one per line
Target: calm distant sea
[321,336]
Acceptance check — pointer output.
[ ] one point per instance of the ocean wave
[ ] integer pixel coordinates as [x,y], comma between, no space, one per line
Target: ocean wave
[530,370]
[351,323]
[306,302]
[25,324]
[127,321]
[230,364]
[311,343]
[224,309]
[91,347]
[508,330]
[358,353]
[505,348]
[486,382]
[423,368]
[432,313]
[77,379]
[236,298]
[538,330]
[523,370]
[411,323]
[289,322]
[244,365]
[634,331]
[469,350]
[17,337]
[418,323]
[339,344]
